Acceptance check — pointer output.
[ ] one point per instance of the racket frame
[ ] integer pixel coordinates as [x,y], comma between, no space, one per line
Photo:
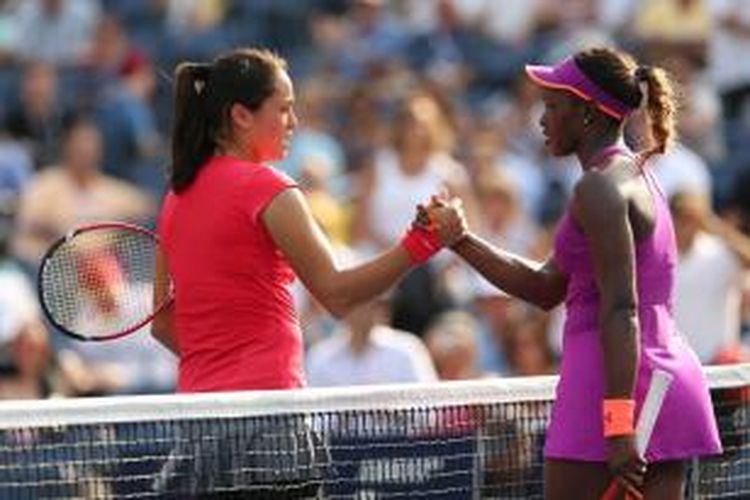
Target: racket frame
[113,225]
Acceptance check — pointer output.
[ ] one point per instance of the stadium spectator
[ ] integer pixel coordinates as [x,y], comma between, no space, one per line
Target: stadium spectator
[367,351]
[26,357]
[452,342]
[714,258]
[55,31]
[314,141]
[81,193]
[526,346]
[16,167]
[132,143]
[418,161]
[729,42]
[38,118]
[673,27]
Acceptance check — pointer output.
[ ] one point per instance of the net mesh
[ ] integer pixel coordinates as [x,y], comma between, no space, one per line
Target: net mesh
[449,441]
[98,282]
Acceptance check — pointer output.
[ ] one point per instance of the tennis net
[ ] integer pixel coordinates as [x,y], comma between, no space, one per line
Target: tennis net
[463,440]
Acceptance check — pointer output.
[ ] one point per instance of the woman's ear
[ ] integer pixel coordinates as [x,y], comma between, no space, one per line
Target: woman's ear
[240,116]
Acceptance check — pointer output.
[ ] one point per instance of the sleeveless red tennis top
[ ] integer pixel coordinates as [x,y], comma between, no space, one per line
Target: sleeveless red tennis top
[235,321]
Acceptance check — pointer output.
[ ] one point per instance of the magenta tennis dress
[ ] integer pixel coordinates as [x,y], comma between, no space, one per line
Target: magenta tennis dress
[686,426]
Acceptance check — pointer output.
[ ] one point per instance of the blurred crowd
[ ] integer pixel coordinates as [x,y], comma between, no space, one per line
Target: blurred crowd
[398,100]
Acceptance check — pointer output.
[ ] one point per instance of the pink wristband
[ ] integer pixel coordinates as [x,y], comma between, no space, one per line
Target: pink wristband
[421,243]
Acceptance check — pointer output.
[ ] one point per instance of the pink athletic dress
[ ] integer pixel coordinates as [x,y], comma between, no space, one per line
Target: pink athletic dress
[235,320]
[686,426]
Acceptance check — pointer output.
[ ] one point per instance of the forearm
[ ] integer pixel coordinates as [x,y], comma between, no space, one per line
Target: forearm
[621,350]
[510,273]
[734,22]
[162,329]
[346,289]
[735,239]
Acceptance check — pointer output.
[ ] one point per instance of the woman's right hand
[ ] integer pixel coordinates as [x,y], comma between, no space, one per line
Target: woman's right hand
[446,215]
[627,467]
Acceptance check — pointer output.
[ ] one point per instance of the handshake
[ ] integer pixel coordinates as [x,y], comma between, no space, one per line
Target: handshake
[439,224]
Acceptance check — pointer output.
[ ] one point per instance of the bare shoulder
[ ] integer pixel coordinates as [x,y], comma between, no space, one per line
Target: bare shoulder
[598,194]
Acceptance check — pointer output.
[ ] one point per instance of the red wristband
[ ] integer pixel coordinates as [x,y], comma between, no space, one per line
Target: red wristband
[421,243]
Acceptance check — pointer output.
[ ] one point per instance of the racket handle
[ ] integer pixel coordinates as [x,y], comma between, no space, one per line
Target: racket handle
[612,490]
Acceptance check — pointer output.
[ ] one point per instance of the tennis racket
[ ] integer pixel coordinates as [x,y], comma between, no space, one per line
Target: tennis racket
[97,282]
[660,382]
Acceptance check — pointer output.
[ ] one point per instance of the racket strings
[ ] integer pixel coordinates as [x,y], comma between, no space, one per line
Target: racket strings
[99,283]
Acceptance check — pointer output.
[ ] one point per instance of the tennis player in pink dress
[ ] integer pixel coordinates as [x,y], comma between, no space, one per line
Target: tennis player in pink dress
[613,265]
[236,232]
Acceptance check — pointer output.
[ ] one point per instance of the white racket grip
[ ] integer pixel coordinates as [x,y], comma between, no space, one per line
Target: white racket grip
[660,382]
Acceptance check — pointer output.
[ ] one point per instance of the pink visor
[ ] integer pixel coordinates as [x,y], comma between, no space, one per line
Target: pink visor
[567,76]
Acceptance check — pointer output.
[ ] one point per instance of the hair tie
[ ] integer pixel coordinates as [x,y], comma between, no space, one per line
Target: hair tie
[201,73]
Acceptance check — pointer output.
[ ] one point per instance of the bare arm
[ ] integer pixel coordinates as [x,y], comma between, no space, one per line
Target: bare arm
[542,284]
[735,239]
[299,237]
[734,22]
[162,328]
[602,212]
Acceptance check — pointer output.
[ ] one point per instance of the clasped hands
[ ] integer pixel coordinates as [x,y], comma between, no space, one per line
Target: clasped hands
[445,215]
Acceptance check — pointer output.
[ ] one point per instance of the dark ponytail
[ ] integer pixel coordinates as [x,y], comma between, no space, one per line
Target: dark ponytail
[204,94]
[660,106]
[193,134]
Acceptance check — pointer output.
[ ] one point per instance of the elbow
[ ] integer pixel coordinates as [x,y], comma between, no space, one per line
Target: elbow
[622,316]
[551,293]
[548,303]
[159,332]
[550,298]
[337,302]
[338,308]
[161,328]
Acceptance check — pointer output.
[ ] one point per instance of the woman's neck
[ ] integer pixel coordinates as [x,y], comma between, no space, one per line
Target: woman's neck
[359,339]
[413,160]
[235,150]
[593,150]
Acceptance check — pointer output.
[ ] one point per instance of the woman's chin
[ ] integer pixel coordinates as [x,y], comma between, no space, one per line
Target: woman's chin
[277,156]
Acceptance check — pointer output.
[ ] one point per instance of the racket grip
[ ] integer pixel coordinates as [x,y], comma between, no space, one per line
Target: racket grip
[611,492]
[613,489]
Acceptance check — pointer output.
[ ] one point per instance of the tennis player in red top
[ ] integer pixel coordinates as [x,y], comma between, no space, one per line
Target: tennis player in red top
[235,232]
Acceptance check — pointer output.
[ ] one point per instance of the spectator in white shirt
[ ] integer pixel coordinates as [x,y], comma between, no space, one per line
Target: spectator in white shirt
[713,259]
[367,351]
[452,340]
